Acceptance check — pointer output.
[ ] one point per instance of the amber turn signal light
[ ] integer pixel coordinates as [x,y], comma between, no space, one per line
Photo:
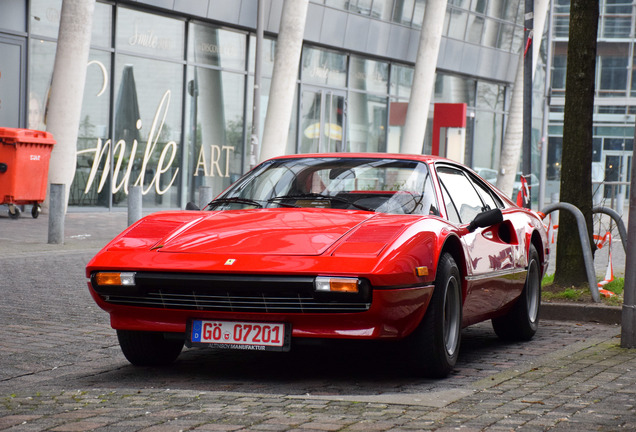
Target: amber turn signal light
[115,278]
[336,284]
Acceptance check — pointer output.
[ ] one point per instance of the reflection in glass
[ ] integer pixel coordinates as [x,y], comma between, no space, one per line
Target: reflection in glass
[403,11]
[93,134]
[102,25]
[401,79]
[324,67]
[612,79]
[214,138]
[209,45]
[321,121]
[44,17]
[367,123]
[149,157]
[267,56]
[453,89]
[455,23]
[475,29]
[42,59]
[369,75]
[149,34]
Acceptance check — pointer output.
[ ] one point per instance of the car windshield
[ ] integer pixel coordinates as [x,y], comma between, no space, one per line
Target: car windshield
[380,185]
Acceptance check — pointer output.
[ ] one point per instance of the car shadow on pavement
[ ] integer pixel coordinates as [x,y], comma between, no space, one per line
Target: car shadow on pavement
[312,367]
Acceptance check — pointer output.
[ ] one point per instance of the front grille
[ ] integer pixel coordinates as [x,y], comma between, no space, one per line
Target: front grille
[232,293]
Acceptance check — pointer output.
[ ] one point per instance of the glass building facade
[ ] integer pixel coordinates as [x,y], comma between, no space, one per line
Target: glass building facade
[168,96]
[615,99]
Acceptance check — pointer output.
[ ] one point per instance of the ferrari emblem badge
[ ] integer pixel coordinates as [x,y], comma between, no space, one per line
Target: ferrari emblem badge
[230,261]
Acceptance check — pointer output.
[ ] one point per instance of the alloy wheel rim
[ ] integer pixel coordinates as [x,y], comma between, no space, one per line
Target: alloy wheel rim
[451,316]
[532,291]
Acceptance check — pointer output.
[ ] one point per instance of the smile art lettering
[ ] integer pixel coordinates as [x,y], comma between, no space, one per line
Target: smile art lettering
[162,165]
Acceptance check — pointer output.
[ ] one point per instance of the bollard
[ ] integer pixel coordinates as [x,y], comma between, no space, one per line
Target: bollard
[134,204]
[205,196]
[554,197]
[57,203]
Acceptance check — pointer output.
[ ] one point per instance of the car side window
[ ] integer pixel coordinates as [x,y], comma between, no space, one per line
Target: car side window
[460,196]
[453,214]
[486,195]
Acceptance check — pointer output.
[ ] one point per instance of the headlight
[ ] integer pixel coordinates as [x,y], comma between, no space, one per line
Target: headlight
[115,278]
[336,284]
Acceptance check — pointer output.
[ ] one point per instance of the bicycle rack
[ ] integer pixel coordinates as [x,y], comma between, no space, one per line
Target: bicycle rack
[588,258]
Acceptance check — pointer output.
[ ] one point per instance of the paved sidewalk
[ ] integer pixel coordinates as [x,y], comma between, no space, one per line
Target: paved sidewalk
[61,368]
[82,230]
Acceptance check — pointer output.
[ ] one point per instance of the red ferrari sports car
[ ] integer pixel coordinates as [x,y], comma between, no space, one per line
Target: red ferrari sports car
[349,246]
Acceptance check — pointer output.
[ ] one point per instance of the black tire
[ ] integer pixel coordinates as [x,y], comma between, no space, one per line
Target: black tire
[35,211]
[434,345]
[522,321]
[15,214]
[149,348]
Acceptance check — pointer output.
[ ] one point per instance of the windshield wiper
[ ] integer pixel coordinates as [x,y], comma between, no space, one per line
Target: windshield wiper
[317,196]
[235,200]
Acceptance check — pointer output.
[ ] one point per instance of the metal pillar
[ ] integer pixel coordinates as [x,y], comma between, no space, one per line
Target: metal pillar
[628,322]
[134,204]
[57,200]
[256,111]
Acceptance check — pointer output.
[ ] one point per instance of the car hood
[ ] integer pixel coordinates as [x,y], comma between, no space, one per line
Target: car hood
[261,231]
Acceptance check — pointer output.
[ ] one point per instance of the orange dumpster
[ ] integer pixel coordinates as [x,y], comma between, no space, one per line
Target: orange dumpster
[24,168]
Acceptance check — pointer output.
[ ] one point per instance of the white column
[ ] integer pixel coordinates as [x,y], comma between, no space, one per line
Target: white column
[281,96]
[423,77]
[67,88]
[513,138]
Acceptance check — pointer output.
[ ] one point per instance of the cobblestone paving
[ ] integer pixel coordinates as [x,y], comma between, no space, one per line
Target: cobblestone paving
[61,370]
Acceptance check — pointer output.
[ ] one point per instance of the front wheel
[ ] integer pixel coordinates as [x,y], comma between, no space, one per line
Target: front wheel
[522,322]
[434,345]
[149,348]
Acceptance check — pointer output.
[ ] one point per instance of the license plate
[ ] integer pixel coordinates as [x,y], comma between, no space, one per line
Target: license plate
[246,335]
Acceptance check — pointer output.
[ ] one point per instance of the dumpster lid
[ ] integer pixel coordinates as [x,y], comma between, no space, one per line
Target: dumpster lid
[17,135]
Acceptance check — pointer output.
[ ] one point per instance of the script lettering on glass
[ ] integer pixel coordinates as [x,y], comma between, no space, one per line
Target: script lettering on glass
[163,164]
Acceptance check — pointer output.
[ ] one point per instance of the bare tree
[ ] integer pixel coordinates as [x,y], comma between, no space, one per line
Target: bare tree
[576,161]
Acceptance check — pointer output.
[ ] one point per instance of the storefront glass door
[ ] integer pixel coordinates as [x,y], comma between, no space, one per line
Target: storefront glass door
[322,121]
[617,175]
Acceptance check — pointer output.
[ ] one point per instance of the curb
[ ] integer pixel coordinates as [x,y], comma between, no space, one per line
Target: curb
[581,312]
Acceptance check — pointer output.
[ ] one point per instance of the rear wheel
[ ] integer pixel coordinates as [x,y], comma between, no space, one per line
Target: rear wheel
[149,348]
[434,346]
[522,322]
[36,210]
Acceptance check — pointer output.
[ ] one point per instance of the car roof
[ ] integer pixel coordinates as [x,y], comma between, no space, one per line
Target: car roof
[421,158]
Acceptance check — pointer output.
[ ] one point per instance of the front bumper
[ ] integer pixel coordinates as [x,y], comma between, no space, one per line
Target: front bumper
[391,314]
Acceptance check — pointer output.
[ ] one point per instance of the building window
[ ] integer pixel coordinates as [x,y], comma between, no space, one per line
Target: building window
[612,65]
[616,19]
[409,12]
[324,67]
[559,64]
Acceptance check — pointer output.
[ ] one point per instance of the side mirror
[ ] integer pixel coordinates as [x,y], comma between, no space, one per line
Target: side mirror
[486,219]
[191,206]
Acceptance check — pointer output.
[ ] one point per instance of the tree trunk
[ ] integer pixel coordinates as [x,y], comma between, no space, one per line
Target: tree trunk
[576,161]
